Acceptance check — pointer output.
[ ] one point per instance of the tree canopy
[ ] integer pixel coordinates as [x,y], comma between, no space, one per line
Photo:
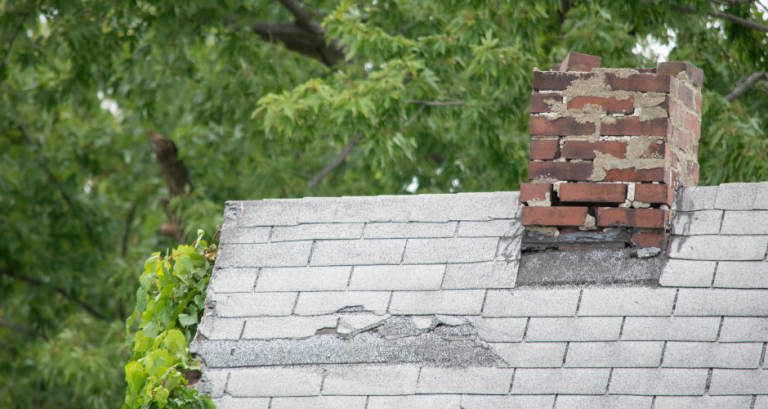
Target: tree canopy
[125,126]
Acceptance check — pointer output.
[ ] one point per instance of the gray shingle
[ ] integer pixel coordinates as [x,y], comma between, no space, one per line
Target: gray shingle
[504,205]
[627,301]
[409,230]
[744,330]
[697,223]
[391,209]
[431,251]
[221,328]
[658,381]
[603,402]
[472,206]
[398,277]
[357,252]
[493,228]
[739,382]
[736,196]
[431,208]
[233,280]
[244,235]
[491,381]
[688,273]
[317,209]
[354,209]
[696,198]
[303,279]
[415,401]
[459,302]
[275,381]
[574,329]
[761,402]
[670,328]
[228,402]
[703,402]
[318,231]
[742,274]
[718,247]
[761,201]
[699,301]
[215,380]
[566,381]
[267,212]
[531,354]
[288,254]
[499,329]
[506,402]
[371,380]
[614,354]
[712,355]
[287,327]
[253,304]
[332,301]
[531,303]
[318,402]
[491,274]
[509,248]
[740,222]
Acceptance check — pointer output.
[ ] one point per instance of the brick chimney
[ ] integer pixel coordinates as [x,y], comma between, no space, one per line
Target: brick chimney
[610,147]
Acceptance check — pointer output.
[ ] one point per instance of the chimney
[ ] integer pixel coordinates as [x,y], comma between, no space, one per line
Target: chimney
[609,149]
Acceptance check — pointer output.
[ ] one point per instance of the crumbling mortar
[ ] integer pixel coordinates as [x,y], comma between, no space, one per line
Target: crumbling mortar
[636,149]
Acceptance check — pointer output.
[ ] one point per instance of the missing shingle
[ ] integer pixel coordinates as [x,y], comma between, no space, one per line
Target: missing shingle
[326,331]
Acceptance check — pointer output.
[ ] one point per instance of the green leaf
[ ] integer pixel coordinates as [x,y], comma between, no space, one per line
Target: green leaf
[174,341]
[187,319]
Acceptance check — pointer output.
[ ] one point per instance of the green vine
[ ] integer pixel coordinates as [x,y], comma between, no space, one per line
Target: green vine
[169,304]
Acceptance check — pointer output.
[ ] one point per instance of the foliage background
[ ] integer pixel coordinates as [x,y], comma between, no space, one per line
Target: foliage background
[82,83]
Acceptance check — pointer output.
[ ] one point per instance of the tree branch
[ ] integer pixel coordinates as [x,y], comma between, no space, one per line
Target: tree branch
[302,16]
[435,103]
[38,283]
[745,85]
[14,35]
[335,162]
[729,17]
[176,177]
[22,329]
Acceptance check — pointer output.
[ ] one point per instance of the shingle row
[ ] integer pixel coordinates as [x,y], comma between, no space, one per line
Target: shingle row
[725,274]
[727,196]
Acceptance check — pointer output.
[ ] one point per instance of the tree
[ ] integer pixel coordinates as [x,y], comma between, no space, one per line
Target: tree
[125,126]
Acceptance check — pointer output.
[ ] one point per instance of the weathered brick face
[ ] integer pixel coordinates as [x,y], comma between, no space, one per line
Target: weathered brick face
[609,147]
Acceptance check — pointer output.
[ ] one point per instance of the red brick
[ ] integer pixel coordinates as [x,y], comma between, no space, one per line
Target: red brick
[531,191]
[554,216]
[671,178]
[643,218]
[633,126]
[682,140]
[539,104]
[580,62]
[592,193]
[545,150]
[610,105]
[639,82]
[693,125]
[670,156]
[586,150]
[651,70]
[650,239]
[561,126]
[676,113]
[686,94]
[634,175]
[655,151]
[656,194]
[555,67]
[673,68]
[560,170]
[557,81]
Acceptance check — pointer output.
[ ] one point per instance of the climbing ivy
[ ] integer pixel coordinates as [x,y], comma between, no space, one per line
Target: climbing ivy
[169,304]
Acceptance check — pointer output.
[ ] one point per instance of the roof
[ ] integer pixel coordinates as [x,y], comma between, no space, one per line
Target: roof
[427,301]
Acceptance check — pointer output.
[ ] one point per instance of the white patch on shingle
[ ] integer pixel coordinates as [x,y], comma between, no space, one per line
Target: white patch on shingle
[670,328]
[696,198]
[287,327]
[319,402]
[531,354]
[603,402]
[712,355]
[415,401]
[627,301]
[687,273]
[371,380]
[398,277]
[354,209]
[736,196]
[244,235]
[623,354]
[742,274]
[253,304]
[748,223]
[321,303]
[507,402]
[233,280]
[737,329]
[704,402]
[574,329]
[303,279]
[275,381]
[228,402]
[357,252]
[713,302]
[466,302]
[658,381]
[432,251]
[491,381]
[318,231]
[499,329]
[491,274]
[409,230]
[727,248]
[493,228]
[391,209]
[317,209]
[697,223]
[739,382]
[567,381]
[548,302]
[221,328]
[288,254]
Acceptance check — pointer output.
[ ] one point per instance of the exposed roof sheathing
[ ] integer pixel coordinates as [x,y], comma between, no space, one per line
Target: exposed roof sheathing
[412,302]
